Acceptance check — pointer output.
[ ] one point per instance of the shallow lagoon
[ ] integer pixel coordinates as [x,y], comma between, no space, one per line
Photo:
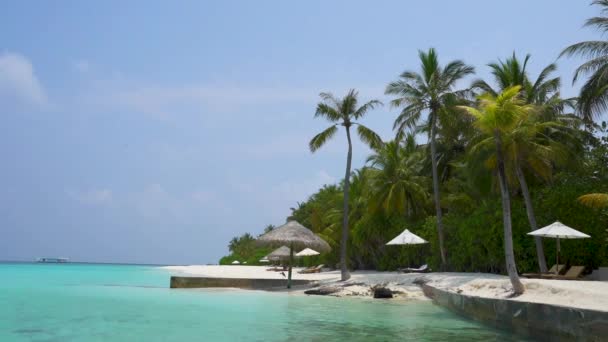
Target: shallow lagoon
[88,302]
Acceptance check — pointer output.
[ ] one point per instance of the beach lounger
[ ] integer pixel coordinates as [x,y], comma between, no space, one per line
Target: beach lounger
[573,273]
[277,268]
[316,269]
[422,269]
[560,270]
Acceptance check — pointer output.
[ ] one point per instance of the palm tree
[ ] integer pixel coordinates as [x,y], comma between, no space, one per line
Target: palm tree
[530,147]
[593,96]
[269,228]
[344,112]
[495,117]
[430,90]
[396,184]
[544,91]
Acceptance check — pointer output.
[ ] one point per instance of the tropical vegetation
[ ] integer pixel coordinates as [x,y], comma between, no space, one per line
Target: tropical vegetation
[471,169]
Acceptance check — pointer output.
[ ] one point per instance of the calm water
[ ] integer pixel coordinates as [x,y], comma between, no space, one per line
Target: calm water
[84,302]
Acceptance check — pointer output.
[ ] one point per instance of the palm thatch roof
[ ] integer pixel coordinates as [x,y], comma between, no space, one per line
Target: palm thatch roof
[295,235]
[279,253]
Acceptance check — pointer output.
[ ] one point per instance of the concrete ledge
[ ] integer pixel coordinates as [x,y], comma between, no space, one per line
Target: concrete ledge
[241,283]
[540,321]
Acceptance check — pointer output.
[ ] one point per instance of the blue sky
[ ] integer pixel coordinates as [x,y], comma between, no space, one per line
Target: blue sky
[154,131]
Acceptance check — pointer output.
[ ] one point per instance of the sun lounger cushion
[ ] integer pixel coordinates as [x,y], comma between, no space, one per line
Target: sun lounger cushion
[423,268]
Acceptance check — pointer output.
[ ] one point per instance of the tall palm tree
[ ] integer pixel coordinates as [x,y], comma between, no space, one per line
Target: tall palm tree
[344,112]
[527,148]
[593,96]
[496,116]
[396,183]
[431,90]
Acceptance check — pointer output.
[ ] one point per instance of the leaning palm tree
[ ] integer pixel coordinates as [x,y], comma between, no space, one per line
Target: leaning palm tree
[495,117]
[430,90]
[593,96]
[344,112]
[532,145]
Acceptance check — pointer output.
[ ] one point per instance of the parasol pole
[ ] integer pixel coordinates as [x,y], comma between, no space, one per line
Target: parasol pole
[290,264]
[557,256]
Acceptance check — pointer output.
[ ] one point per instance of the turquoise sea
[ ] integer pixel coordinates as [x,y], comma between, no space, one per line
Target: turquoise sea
[92,302]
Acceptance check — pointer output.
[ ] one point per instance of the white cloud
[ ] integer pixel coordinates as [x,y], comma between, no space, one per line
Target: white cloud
[18,82]
[91,197]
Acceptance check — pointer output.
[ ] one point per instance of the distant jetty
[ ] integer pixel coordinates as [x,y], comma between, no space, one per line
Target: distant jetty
[53,260]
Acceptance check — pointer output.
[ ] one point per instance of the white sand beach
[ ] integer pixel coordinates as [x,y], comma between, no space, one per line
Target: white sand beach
[578,294]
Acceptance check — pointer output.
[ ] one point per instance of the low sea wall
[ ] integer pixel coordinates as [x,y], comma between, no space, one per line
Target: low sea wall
[241,283]
[541,321]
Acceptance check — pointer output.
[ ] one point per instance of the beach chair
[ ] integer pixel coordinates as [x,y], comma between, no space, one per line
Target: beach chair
[560,270]
[277,268]
[422,269]
[316,269]
[308,269]
[573,273]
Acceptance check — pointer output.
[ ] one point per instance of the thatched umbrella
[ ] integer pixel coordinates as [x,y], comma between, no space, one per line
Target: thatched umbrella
[294,235]
[282,252]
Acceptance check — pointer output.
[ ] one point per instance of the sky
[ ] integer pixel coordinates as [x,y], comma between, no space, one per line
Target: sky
[155,131]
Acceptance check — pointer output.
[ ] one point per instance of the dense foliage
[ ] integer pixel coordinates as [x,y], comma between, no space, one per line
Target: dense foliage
[502,157]
[473,221]
[244,250]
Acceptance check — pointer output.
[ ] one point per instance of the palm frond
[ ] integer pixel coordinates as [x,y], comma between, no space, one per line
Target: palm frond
[328,112]
[483,86]
[369,137]
[361,111]
[408,118]
[590,66]
[593,97]
[588,49]
[320,139]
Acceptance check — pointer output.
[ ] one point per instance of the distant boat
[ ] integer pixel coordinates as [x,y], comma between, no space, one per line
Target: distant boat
[53,260]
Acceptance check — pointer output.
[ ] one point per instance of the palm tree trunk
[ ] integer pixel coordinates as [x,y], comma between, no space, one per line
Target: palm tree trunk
[518,287]
[436,190]
[408,205]
[343,251]
[540,253]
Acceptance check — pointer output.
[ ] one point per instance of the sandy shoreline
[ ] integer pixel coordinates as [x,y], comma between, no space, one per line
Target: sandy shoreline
[577,294]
